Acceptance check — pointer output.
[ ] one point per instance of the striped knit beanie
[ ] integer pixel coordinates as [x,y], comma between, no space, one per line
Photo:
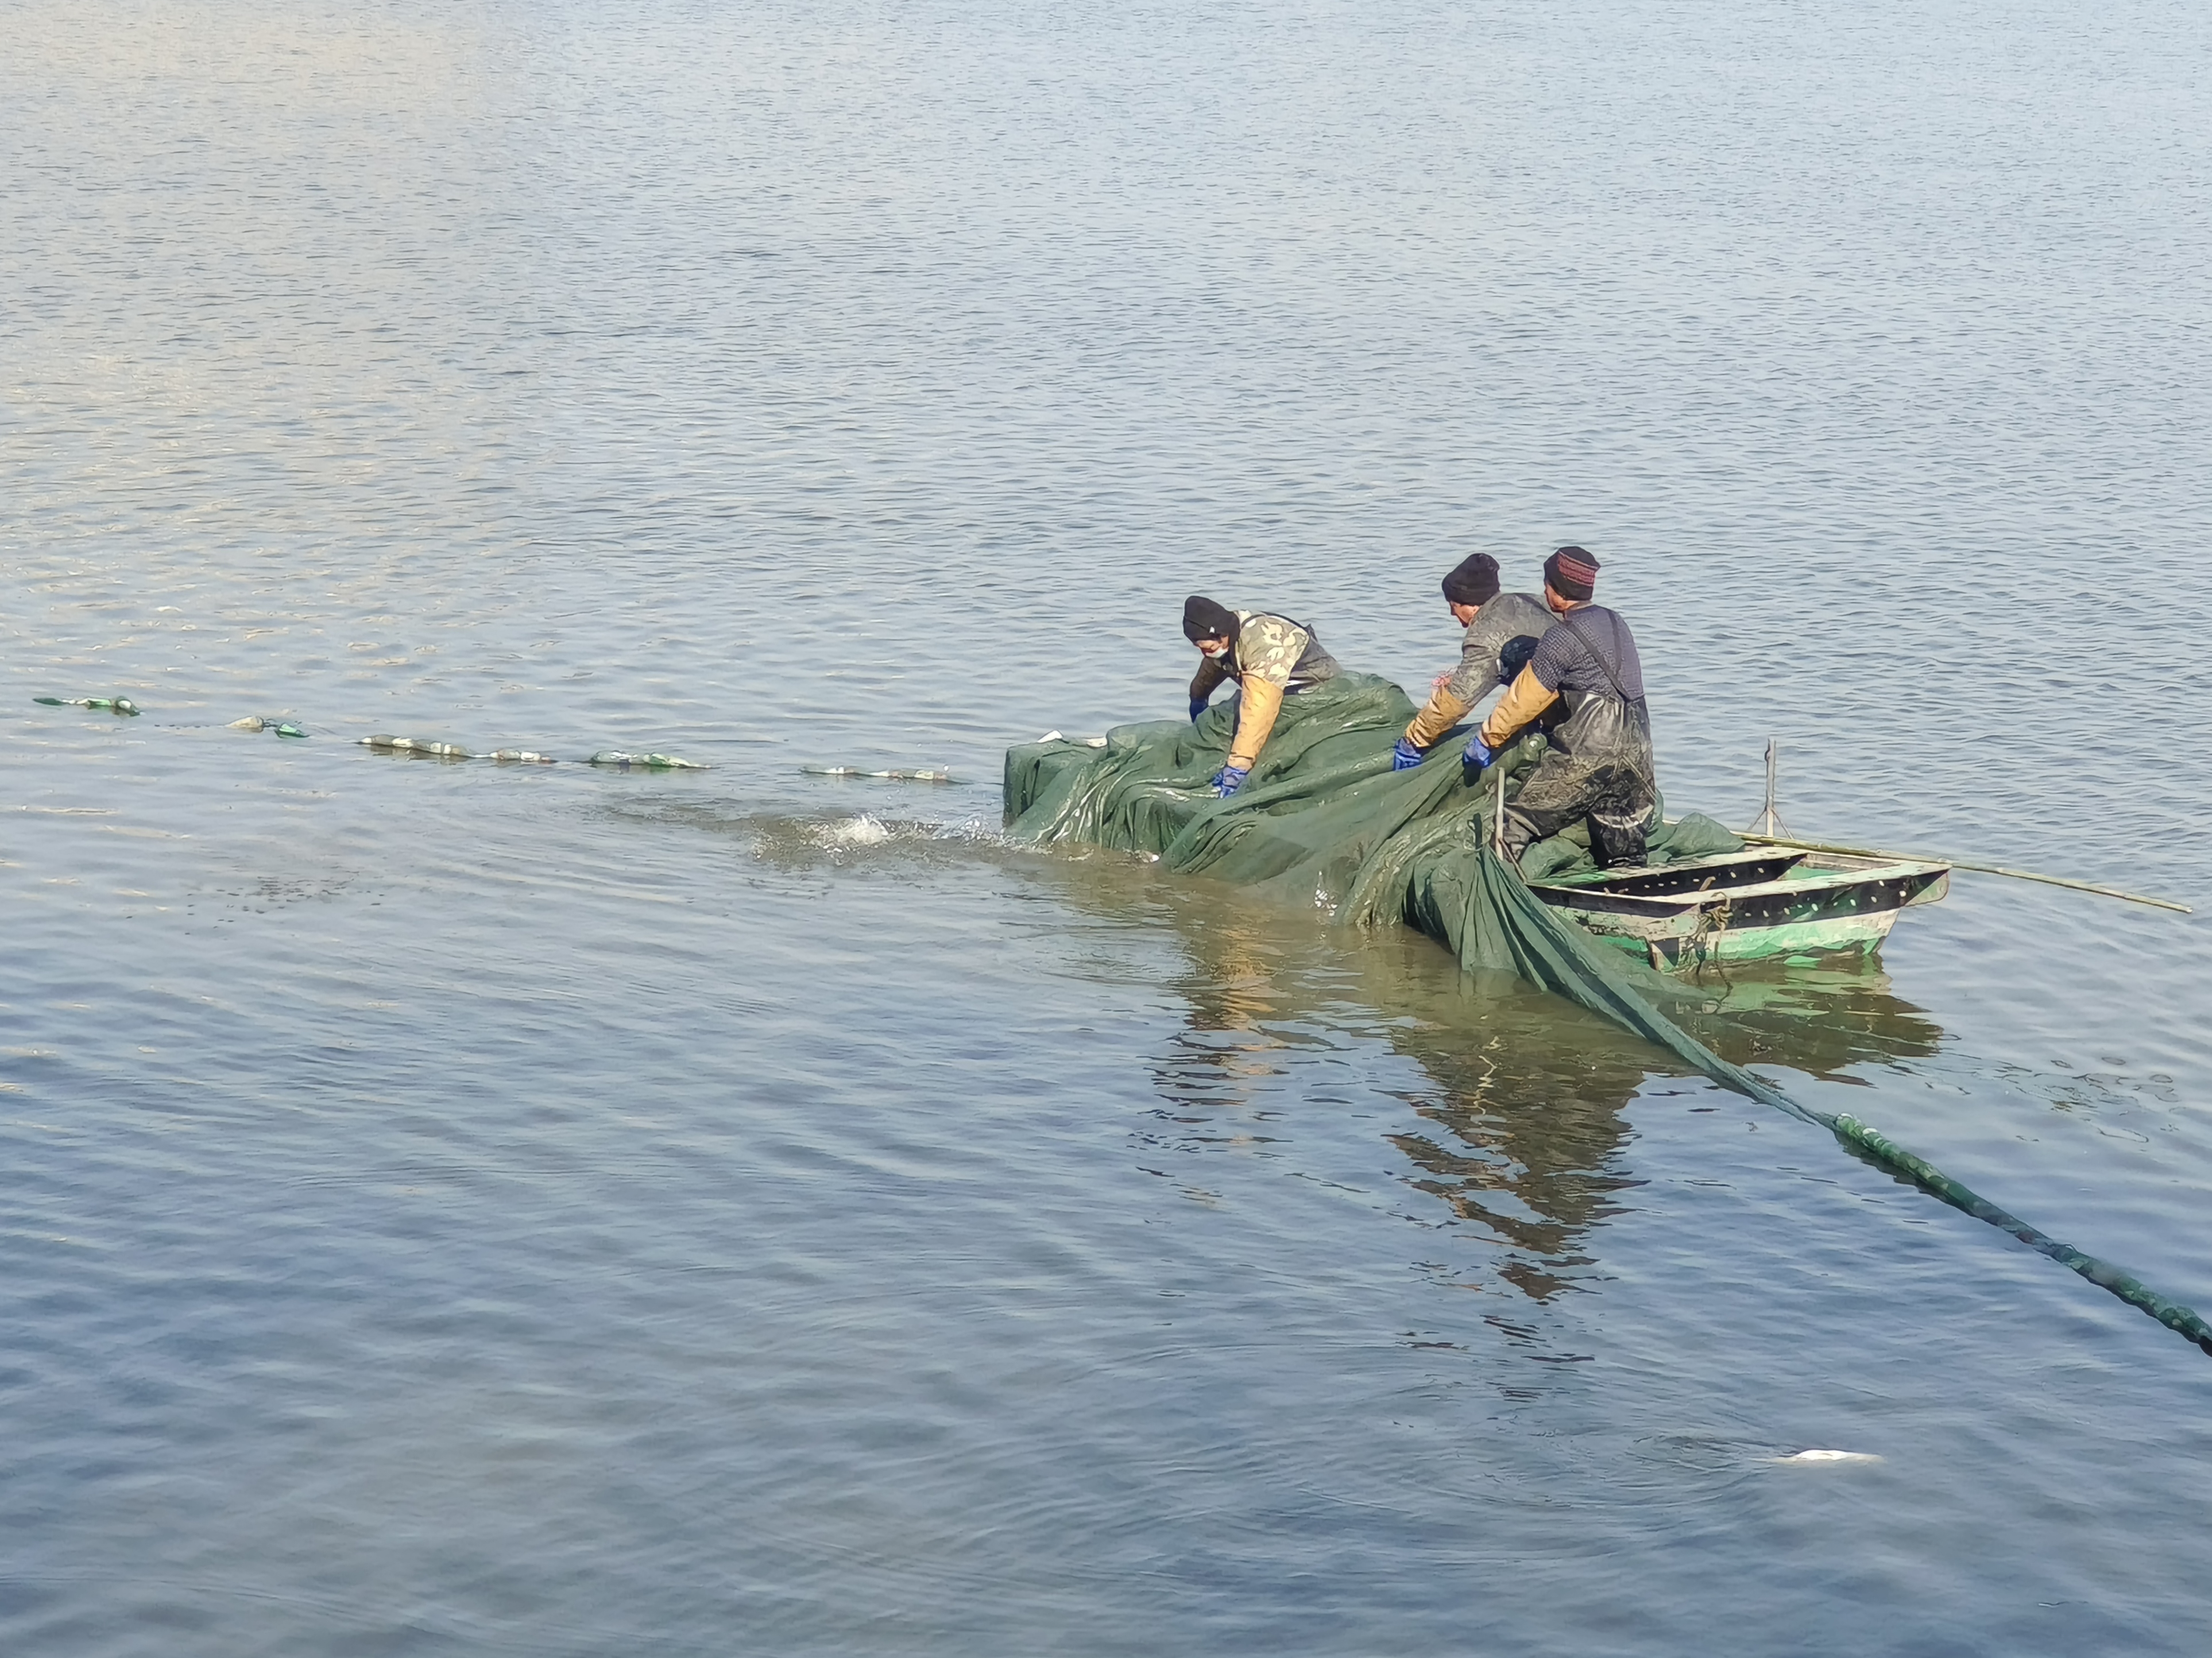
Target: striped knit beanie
[1572,574]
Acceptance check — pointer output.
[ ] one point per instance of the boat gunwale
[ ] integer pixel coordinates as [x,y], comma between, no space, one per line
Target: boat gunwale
[1806,876]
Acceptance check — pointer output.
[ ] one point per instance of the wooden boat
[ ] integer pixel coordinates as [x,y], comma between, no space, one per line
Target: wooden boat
[1753,905]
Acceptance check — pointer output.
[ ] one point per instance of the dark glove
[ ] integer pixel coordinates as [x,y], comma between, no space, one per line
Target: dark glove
[1479,755]
[1229,779]
[1516,655]
[1404,756]
[1197,708]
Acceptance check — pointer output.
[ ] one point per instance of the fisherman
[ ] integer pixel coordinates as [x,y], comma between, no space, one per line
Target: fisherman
[1599,764]
[1502,632]
[1267,656]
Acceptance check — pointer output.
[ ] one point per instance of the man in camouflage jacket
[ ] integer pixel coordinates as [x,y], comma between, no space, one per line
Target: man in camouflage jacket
[1268,656]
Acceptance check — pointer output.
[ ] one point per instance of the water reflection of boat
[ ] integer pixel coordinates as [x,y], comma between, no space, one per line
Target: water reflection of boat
[1517,1124]
[1752,905]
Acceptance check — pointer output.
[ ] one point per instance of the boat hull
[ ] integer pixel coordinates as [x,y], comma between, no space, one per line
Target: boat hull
[1747,906]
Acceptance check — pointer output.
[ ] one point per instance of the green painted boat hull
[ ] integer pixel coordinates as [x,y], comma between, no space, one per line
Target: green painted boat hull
[1747,907]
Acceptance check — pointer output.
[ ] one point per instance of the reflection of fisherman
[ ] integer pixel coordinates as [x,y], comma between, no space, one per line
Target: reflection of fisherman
[1598,764]
[1267,656]
[1502,631]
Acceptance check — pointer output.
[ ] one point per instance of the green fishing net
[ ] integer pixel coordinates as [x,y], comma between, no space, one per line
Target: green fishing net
[1323,820]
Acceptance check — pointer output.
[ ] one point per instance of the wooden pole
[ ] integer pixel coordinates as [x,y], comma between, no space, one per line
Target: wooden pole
[1978,869]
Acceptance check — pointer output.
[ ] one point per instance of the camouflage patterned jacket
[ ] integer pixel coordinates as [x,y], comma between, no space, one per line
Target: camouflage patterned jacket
[1270,655]
[1273,648]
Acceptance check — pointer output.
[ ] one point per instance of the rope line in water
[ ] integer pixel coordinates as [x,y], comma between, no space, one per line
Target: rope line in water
[623,759]
[615,759]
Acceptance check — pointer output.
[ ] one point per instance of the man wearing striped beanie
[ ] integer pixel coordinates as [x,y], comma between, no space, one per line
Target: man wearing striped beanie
[1585,685]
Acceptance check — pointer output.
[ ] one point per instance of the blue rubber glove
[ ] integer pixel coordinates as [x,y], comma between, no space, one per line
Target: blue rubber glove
[1404,756]
[1229,779]
[1197,708]
[1479,755]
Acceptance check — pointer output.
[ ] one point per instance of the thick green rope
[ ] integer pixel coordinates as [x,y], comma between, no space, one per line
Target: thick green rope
[1894,1157]
[1574,966]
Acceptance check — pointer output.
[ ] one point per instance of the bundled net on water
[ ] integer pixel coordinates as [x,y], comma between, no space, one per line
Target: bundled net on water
[1323,816]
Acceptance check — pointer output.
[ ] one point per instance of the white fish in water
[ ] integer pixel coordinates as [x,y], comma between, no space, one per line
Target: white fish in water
[1826,1456]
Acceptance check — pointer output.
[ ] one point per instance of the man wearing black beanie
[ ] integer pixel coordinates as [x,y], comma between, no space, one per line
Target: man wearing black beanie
[1268,656]
[1502,631]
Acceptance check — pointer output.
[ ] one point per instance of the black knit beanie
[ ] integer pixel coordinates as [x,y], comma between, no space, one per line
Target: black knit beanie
[1204,619]
[1475,581]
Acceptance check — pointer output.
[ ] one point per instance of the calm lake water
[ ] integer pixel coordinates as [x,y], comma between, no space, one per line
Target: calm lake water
[460,1210]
